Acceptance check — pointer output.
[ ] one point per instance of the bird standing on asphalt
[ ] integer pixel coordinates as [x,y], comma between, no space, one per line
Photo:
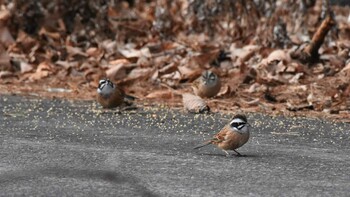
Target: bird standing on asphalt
[207,85]
[232,136]
[109,95]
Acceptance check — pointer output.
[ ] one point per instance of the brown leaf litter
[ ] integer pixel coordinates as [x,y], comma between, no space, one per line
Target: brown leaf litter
[275,57]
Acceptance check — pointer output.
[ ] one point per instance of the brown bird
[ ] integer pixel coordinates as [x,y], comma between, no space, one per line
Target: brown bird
[232,136]
[110,96]
[207,85]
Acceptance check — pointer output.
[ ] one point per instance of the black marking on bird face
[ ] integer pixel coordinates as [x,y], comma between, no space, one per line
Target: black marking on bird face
[238,125]
[104,82]
[238,122]
[212,76]
[208,76]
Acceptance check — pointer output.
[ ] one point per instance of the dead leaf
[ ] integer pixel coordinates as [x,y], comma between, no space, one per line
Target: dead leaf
[66,65]
[5,36]
[5,63]
[172,67]
[25,67]
[4,14]
[202,59]
[225,91]
[43,70]
[243,54]
[295,78]
[95,52]
[256,87]
[161,94]
[299,107]
[194,104]
[6,74]
[86,65]
[144,61]
[73,51]
[93,74]
[92,51]
[278,55]
[171,79]
[252,102]
[129,52]
[117,69]
[26,41]
[53,35]
[119,61]
[346,70]
[138,73]
[189,74]
[109,47]
[58,90]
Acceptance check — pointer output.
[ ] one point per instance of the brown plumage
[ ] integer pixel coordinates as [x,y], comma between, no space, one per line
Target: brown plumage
[109,95]
[207,85]
[232,136]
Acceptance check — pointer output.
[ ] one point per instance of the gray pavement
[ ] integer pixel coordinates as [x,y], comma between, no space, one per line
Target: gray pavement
[63,148]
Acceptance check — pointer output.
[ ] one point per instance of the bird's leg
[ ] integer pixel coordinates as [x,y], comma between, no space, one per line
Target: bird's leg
[239,154]
[117,110]
[129,108]
[227,153]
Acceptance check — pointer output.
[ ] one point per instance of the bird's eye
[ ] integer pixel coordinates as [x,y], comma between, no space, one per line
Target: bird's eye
[238,125]
[212,77]
[111,84]
[235,124]
[101,85]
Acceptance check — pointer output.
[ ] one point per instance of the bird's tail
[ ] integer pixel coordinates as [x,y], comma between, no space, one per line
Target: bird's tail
[202,145]
[129,97]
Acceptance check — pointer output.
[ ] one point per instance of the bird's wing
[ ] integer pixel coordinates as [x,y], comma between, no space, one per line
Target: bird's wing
[202,145]
[221,136]
[215,140]
[218,138]
[125,96]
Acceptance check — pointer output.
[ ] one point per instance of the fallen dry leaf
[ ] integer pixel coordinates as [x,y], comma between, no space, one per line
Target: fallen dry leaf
[95,52]
[149,45]
[117,69]
[5,36]
[161,94]
[189,74]
[138,73]
[194,104]
[43,70]
[225,91]
[145,61]
[52,35]
[243,54]
[5,63]
[278,55]
[129,52]
[25,67]
[6,74]
[73,51]
[109,47]
[172,67]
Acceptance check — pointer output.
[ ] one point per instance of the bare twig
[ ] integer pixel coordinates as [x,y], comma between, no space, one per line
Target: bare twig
[310,53]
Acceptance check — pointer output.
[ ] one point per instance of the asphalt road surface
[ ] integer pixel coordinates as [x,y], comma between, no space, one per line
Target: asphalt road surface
[63,148]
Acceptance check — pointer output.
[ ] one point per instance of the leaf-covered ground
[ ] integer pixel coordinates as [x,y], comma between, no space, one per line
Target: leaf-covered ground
[155,49]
